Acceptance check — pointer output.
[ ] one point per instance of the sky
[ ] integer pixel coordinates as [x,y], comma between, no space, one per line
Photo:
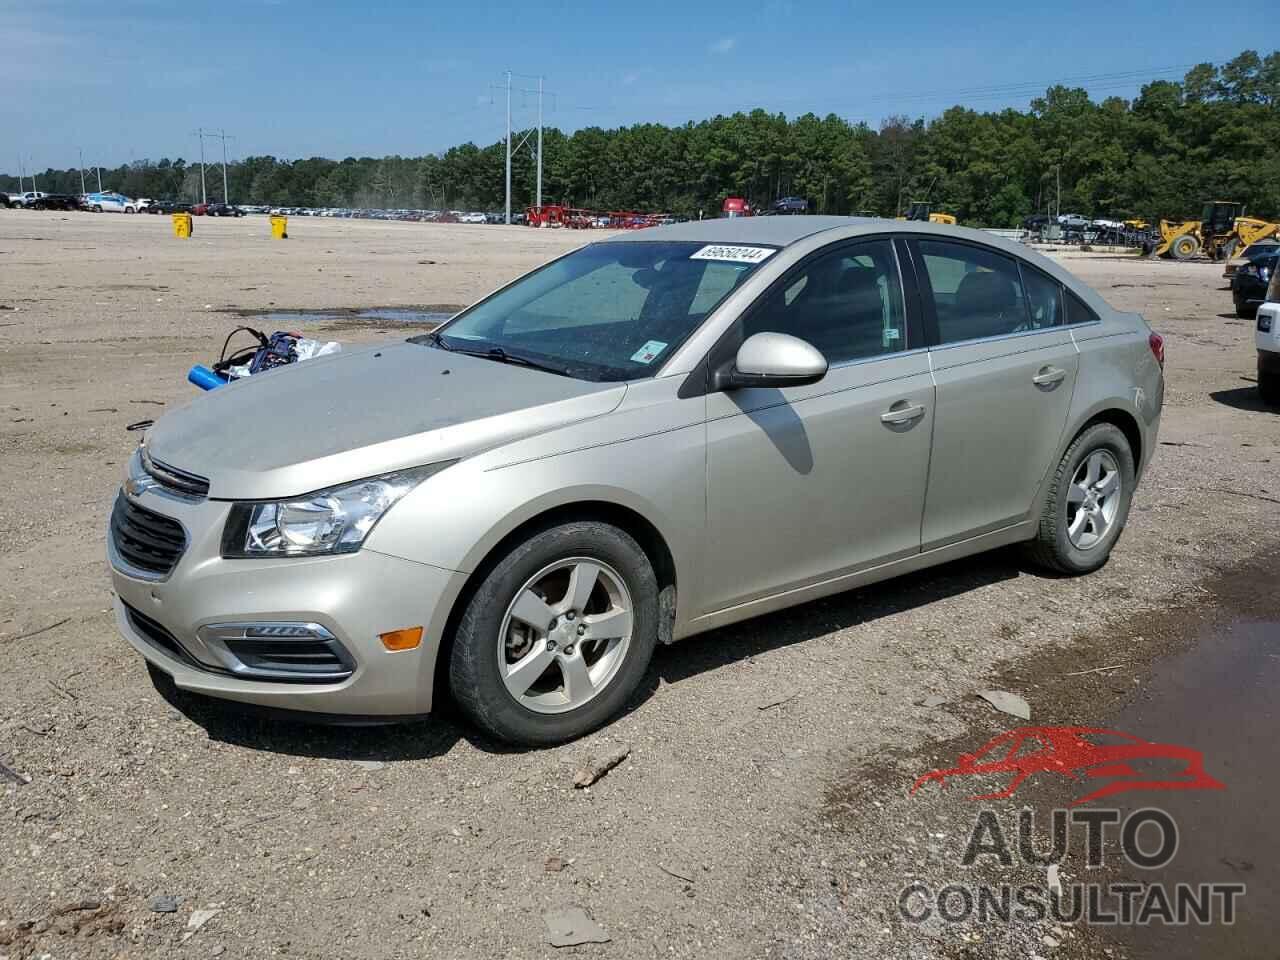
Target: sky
[134,79]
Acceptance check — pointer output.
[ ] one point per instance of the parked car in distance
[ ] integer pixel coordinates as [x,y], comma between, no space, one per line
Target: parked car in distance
[109,201]
[56,201]
[1249,283]
[637,442]
[1267,340]
[1073,221]
[25,198]
[223,210]
[167,207]
[1261,248]
[4,201]
[472,217]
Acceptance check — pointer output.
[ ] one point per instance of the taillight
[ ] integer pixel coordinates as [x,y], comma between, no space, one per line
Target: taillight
[1157,348]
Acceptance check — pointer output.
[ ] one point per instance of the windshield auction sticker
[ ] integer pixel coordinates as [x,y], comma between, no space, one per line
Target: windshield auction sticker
[733,254]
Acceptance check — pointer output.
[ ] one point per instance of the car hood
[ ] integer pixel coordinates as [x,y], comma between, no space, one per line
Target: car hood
[362,413]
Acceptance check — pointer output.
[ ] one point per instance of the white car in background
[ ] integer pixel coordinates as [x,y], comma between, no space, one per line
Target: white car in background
[26,198]
[110,202]
[472,217]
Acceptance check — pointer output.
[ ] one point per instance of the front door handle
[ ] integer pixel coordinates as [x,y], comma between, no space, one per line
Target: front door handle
[904,411]
[1048,376]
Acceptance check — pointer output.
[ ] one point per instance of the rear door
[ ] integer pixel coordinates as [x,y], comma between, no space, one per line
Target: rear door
[808,483]
[1005,367]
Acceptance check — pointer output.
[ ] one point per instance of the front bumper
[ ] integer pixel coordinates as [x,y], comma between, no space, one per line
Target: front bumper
[354,597]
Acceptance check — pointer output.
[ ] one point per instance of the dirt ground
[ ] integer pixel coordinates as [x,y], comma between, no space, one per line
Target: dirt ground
[764,808]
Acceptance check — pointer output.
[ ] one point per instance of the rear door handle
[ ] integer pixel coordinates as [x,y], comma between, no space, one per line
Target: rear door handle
[1048,376]
[904,411]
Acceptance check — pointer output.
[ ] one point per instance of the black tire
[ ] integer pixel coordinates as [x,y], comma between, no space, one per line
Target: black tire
[1269,388]
[97,208]
[475,679]
[1245,311]
[1051,547]
[1184,247]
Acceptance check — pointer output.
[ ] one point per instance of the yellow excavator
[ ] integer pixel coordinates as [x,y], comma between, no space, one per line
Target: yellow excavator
[922,210]
[1221,230]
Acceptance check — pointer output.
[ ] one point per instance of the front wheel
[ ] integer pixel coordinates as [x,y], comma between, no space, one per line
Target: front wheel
[557,636]
[1087,502]
[1185,247]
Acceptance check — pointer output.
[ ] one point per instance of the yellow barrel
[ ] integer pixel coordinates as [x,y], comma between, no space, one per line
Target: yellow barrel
[279,227]
[182,225]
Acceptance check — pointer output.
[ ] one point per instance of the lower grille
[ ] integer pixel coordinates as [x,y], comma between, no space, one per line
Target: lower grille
[148,541]
[160,638]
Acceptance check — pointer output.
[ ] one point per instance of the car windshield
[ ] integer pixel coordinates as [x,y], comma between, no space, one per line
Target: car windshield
[610,311]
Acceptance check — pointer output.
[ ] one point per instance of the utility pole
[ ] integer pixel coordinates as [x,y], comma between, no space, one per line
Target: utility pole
[204,195]
[222,135]
[98,171]
[512,150]
[539,200]
[82,189]
[21,171]
[508,148]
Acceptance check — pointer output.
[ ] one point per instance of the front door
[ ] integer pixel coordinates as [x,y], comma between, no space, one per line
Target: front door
[807,483]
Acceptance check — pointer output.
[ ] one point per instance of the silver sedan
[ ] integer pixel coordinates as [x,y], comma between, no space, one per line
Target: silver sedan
[649,437]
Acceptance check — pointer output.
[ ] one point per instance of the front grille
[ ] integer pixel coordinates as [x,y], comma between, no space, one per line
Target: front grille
[171,478]
[145,540]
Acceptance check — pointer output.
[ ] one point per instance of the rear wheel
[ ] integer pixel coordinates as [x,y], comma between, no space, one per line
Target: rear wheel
[1185,247]
[1244,310]
[97,208]
[557,636]
[1269,388]
[1087,502]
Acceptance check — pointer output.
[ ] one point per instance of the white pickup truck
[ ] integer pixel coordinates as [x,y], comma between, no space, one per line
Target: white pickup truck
[26,199]
[1267,339]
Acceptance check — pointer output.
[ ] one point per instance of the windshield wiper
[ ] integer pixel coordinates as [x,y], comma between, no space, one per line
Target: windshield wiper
[434,338]
[500,355]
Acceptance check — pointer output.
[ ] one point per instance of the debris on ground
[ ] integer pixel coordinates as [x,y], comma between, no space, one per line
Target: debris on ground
[76,906]
[7,773]
[770,704]
[1007,702]
[163,904]
[370,764]
[199,918]
[571,926]
[933,700]
[593,771]
[677,874]
[555,864]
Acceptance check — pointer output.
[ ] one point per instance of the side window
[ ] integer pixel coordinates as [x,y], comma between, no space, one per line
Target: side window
[977,292]
[1044,298]
[1077,312]
[847,303]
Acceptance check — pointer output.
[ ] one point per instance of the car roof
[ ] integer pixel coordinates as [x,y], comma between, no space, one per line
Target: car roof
[776,231]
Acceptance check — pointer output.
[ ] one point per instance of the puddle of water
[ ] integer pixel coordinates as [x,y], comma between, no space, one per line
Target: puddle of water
[1218,697]
[406,316]
[398,315]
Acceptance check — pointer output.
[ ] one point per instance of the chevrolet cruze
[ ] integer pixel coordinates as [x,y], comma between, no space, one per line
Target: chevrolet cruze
[651,436]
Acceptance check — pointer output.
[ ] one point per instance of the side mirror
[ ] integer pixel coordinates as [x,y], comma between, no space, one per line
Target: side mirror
[772,360]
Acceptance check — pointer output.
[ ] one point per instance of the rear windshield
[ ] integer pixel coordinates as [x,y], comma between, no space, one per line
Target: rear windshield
[610,311]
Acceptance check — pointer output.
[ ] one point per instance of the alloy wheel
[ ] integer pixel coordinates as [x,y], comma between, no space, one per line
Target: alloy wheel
[1093,499]
[565,635]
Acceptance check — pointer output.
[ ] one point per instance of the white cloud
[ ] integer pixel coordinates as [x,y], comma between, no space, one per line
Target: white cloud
[723,45]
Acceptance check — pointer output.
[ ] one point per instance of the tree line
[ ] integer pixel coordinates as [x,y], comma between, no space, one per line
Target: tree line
[1213,135]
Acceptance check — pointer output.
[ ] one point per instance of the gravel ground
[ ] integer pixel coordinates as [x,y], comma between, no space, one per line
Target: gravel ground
[764,807]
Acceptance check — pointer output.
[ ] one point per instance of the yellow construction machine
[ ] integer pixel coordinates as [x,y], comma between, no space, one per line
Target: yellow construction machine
[922,210]
[1221,230]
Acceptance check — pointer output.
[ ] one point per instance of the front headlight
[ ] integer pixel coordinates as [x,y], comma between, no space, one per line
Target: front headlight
[335,520]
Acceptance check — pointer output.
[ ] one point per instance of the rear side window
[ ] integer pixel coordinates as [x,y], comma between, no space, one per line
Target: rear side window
[847,303]
[1044,298]
[977,293]
[1077,312]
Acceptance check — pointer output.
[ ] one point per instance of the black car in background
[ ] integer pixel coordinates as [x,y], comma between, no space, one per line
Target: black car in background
[223,210]
[1249,282]
[167,206]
